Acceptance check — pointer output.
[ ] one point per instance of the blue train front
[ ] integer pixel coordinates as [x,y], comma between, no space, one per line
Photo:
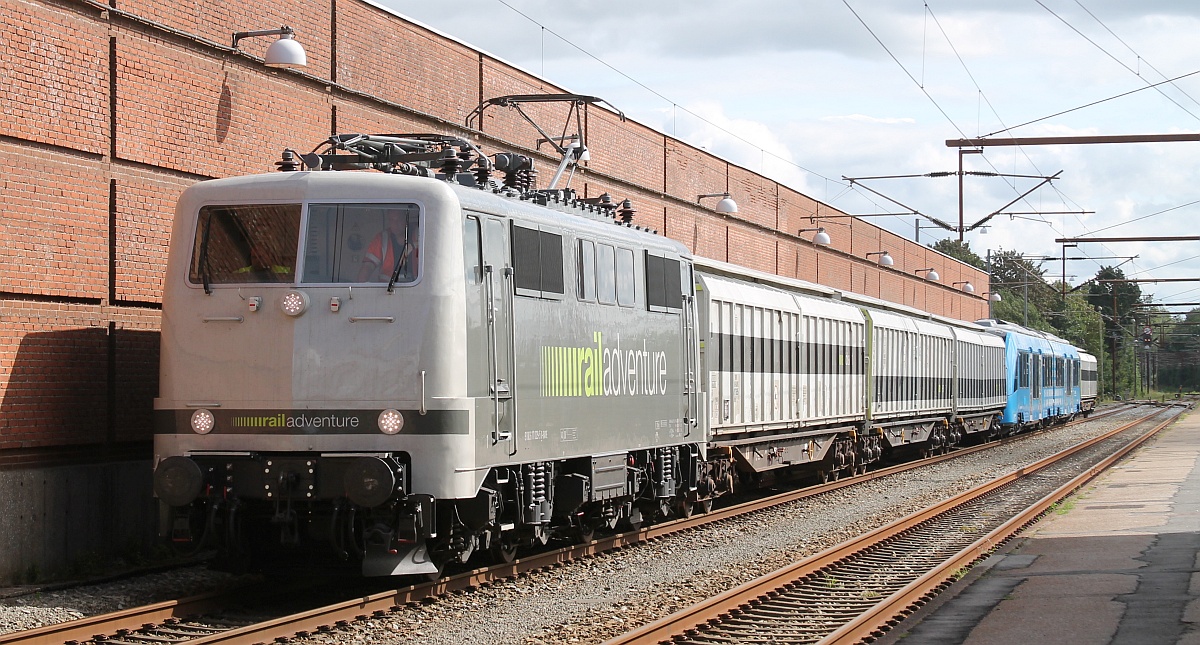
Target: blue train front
[1045,377]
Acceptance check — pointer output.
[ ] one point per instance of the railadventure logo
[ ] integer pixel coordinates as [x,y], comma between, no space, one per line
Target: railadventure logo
[597,370]
[282,420]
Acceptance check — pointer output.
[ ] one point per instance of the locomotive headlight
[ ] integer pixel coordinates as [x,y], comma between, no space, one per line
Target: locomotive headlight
[390,421]
[203,421]
[294,303]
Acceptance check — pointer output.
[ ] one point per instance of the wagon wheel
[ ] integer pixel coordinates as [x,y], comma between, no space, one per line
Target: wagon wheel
[706,505]
[823,475]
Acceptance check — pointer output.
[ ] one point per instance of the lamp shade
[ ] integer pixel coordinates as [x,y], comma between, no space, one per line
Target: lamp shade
[285,52]
[821,238]
[886,260]
[727,205]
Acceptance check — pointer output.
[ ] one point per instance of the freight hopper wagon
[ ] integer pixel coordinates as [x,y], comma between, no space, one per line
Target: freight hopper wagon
[802,379]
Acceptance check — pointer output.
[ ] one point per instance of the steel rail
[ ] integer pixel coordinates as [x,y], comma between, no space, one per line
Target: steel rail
[97,628]
[102,625]
[737,600]
[875,622]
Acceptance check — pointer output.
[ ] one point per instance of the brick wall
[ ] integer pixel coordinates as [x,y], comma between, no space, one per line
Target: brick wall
[110,112]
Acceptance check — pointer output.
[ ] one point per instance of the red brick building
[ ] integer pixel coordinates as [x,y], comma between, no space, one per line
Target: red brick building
[110,110]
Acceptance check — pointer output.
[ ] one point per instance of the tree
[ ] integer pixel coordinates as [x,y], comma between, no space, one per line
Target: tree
[1115,301]
[1022,284]
[1178,340]
[960,251]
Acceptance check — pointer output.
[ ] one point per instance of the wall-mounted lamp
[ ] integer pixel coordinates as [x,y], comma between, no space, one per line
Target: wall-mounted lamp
[285,52]
[885,259]
[967,287]
[821,238]
[993,298]
[726,205]
[930,274]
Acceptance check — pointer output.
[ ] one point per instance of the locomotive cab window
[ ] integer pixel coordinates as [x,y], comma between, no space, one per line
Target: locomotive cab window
[252,243]
[362,243]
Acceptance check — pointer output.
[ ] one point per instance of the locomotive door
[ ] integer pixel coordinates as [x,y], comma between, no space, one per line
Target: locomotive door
[1035,389]
[691,343]
[498,285]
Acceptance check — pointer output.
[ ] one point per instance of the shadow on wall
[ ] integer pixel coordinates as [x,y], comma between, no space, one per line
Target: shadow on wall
[80,386]
[76,416]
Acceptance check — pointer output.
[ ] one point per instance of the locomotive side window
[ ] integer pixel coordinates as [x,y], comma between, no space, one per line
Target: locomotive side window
[587,270]
[250,243]
[664,290]
[537,257]
[606,274]
[626,278]
[357,243]
[472,251]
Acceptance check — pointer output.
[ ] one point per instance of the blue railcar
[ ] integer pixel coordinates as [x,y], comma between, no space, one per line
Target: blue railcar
[1043,384]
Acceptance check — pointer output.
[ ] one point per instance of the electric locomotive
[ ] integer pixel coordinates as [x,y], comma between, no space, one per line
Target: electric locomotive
[393,362]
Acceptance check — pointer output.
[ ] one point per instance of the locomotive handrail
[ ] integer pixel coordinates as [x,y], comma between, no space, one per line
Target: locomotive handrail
[387,319]
[209,319]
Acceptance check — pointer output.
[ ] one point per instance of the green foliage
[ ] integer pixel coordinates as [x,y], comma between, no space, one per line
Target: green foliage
[1022,283]
[960,251]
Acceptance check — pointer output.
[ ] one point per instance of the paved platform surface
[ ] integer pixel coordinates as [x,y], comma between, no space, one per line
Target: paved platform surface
[1116,563]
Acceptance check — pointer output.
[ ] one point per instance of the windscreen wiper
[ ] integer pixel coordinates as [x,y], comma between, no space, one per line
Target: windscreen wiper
[205,269]
[401,262]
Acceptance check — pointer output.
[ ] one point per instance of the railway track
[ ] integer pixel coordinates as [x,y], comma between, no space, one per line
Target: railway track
[857,591]
[191,619]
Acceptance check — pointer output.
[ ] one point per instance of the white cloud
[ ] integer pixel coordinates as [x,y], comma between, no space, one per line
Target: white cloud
[809,87]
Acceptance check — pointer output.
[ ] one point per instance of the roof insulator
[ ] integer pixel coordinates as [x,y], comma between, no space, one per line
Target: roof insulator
[626,212]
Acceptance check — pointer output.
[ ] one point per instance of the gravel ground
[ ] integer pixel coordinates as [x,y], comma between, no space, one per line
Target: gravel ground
[26,608]
[594,600]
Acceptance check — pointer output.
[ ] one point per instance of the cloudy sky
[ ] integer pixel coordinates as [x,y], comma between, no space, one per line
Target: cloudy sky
[810,91]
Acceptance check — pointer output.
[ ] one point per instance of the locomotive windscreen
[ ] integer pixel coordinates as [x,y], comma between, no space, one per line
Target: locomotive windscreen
[245,244]
[362,243]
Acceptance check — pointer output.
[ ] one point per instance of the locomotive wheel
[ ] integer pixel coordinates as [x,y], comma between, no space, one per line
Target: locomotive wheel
[436,575]
[504,549]
[684,508]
